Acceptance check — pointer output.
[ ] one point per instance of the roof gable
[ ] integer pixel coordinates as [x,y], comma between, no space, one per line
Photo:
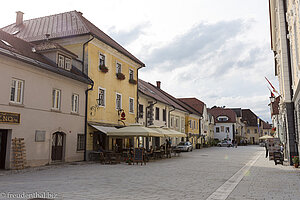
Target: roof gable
[216,112]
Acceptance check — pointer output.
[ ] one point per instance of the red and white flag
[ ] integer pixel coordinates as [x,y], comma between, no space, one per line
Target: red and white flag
[274,90]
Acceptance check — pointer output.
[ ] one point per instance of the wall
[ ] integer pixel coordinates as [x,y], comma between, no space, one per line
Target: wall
[36,111]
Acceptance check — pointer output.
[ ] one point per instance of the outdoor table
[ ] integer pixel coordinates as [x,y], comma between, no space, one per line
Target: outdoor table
[157,154]
[113,158]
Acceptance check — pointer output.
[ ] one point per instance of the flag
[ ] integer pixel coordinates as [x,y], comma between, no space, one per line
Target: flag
[272,94]
[274,90]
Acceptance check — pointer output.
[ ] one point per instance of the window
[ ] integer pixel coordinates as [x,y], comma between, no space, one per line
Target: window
[64,62]
[227,129]
[80,142]
[217,129]
[68,64]
[190,122]
[61,61]
[131,74]
[131,105]
[164,115]
[222,128]
[255,130]
[156,113]
[182,125]
[56,95]
[75,103]
[118,101]
[172,121]
[141,111]
[16,91]
[222,118]
[101,95]
[177,122]
[248,130]
[101,60]
[194,124]
[119,67]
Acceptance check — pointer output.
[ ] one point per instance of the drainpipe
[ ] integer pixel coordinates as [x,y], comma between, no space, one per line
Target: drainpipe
[86,96]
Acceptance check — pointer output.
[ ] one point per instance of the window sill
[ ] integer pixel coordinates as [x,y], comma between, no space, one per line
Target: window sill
[80,151]
[16,104]
[74,113]
[55,110]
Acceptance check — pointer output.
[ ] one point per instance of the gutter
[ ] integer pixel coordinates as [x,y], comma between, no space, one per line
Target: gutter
[86,96]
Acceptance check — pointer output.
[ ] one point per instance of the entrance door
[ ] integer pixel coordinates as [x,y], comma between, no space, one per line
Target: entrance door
[3,143]
[57,146]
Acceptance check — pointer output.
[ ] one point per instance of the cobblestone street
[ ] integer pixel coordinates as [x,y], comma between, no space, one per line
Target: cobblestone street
[195,175]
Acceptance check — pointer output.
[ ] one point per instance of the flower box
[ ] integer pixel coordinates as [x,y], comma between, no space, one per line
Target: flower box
[103,68]
[120,76]
[132,81]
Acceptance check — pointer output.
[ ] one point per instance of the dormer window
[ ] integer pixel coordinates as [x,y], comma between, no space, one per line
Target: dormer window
[222,118]
[64,62]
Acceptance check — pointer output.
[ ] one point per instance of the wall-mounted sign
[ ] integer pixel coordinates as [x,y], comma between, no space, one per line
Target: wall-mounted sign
[10,118]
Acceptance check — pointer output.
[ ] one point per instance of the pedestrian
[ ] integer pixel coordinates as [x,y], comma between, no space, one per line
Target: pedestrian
[235,144]
[267,151]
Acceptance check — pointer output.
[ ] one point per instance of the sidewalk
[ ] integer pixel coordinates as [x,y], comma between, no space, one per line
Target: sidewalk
[265,180]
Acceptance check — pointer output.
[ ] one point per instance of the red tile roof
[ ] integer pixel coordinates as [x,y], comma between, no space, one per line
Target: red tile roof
[249,118]
[159,94]
[217,111]
[194,103]
[62,25]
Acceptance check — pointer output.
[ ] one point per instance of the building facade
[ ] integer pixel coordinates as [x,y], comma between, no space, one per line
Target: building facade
[41,102]
[284,23]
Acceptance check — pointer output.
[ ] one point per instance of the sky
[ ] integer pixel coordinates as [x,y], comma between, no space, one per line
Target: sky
[217,51]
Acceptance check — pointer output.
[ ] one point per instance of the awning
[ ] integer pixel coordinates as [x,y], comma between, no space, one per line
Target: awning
[173,133]
[104,129]
[167,132]
[135,130]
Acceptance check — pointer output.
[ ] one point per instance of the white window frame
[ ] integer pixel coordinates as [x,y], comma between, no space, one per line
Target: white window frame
[75,103]
[61,61]
[117,66]
[131,111]
[18,86]
[100,88]
[120,101]
[172,121]
[218,128]
[131,70]
[68,63]
[104,56]
[80,142]
[56,99]
[17,95]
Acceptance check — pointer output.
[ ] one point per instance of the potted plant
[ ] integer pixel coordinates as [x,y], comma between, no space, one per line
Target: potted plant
[132,81]
[120,76]
[295,161]
[103,68]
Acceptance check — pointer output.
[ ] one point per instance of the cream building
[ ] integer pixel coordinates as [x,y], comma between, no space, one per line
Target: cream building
[284,23]
[42,102]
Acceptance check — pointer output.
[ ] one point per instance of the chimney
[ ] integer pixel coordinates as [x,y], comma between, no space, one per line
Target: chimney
[19,20]
[158,84]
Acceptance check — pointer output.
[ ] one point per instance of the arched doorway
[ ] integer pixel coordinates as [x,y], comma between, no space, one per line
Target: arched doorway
[57,146]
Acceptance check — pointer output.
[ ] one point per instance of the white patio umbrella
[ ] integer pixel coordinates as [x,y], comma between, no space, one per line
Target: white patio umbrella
[173,133]
[265,137]
[135,130]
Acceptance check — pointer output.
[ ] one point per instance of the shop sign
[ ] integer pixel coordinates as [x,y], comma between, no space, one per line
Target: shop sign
[10,118]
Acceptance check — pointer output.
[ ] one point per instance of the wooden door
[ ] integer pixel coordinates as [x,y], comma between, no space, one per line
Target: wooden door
[3,144]
[57,146]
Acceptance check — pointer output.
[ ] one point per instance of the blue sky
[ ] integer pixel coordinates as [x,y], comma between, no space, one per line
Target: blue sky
[216,50]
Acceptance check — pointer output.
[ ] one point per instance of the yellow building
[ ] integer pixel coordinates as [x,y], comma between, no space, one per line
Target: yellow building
[112,68]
